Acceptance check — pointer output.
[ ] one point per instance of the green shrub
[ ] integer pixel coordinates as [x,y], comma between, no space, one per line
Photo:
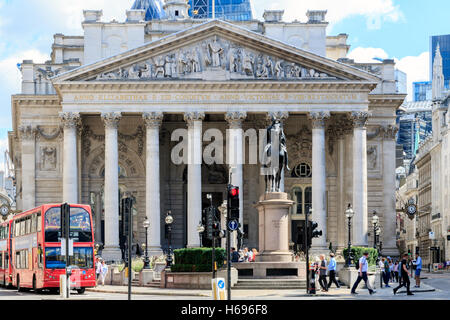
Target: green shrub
[137,265]
[357,253]
[197,259]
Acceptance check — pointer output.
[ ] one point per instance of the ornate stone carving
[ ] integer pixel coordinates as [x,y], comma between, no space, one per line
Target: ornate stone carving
[48,136]
[190,117]
[300,146]
[202,60]
[111,119]
[360,118]
[27,132]
[235,119]
[389,131]
[70,119]
[318,119]
[372,156]
[153,119]
[280,115]
[48,158]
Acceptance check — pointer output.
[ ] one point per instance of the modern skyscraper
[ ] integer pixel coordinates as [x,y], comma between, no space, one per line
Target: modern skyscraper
[422,91]
[444,47]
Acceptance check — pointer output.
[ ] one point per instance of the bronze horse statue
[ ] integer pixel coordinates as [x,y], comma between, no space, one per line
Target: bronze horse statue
[273,172]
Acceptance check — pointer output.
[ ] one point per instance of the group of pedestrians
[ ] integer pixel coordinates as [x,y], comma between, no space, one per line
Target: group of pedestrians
[391,270]
[323,268]
[101,270]
[244,255]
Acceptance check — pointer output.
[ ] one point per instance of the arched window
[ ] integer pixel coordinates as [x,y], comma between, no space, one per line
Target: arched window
[303,170]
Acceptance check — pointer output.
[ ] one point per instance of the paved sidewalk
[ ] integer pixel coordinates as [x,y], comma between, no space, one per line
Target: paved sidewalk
[333,293]
[151,291]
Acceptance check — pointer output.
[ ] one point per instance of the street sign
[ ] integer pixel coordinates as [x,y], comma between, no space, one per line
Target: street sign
[431,235]
[218,285]
[233,225]
[63,247]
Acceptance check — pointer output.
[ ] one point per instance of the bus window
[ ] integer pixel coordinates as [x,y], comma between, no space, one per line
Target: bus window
[17,228]
[6,260]
[80,225]
[39,222]
[33,223]
[28,225]
[18,265]
[22,227]
[40,257]
[1,260]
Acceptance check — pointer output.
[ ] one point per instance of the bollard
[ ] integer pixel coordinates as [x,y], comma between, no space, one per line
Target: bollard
[218,288]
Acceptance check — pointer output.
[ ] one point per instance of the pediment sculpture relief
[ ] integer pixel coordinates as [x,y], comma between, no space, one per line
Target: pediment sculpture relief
[214,59]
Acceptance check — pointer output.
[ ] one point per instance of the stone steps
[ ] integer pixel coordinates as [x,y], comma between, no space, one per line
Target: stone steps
[267,284]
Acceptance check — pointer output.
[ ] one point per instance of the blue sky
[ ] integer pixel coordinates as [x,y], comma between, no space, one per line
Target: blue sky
[398,29]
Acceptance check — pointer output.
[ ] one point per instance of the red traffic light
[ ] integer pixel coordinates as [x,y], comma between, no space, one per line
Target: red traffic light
[234,192]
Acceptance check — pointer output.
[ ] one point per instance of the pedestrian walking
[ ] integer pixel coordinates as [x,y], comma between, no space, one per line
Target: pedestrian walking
[332,266]
[381,266]
[386,273]
[98,268]
[363,267]
[404,275]
[396,271]
[104,272]
[391,268]
[323,273]
[418,269]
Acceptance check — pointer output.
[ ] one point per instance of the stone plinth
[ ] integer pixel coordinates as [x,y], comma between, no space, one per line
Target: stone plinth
[273,209]
[267,270]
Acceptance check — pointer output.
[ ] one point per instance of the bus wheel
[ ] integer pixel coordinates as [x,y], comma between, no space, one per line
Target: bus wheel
[81,290]
[19,289]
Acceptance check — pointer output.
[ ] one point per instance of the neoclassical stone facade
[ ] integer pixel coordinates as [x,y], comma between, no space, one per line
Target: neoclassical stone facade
[111,129]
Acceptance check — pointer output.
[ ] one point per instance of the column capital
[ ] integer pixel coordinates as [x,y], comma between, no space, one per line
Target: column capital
[70,119]
[235,118]
[27,131]
[388,132]
[153,120]
[190,117]
[280,115]
[360,118]
[318,118]
[111,119]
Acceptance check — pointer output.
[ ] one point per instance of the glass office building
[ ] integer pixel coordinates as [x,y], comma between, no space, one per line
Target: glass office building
[235,10]
[422,91]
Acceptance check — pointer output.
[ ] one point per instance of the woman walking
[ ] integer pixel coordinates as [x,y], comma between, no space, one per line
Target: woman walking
[104,272]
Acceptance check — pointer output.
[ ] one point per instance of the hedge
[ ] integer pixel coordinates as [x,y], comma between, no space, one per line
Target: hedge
[197,259]
[357,253]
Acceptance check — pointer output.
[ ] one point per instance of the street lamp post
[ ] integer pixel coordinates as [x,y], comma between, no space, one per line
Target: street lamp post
[200,230]
[375,220]
[169,220]
[349,214]
[146,225]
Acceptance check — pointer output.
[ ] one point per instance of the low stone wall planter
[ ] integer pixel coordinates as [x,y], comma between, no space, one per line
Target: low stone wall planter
[193,280]
[349,275]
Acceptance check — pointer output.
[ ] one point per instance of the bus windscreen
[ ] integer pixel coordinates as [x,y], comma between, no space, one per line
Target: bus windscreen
[82,258]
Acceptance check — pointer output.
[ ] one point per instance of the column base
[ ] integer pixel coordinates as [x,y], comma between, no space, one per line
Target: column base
[392,252]
[154,251]
[318,250]
[112,254]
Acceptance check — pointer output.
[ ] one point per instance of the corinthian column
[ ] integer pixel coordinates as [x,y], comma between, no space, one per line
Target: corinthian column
[28,137]
[235,156]
[111,251]
[360,178]
[70,122]
[153,122]
[194,122]
[319,178]
[389,214]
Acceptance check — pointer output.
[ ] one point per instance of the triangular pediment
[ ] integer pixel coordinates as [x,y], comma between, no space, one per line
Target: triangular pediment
[216,51]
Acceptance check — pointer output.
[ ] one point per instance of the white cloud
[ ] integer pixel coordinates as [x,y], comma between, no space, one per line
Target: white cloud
[417,68]
[375,11]
[3,148]
[11,76]
[364,55]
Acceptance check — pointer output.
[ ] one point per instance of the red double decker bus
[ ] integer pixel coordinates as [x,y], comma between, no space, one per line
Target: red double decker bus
[5,243]
[35,248]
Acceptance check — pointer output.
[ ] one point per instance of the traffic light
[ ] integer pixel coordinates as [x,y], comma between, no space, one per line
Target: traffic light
[65,220]
[312,232]
[216,229]
[233,202]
